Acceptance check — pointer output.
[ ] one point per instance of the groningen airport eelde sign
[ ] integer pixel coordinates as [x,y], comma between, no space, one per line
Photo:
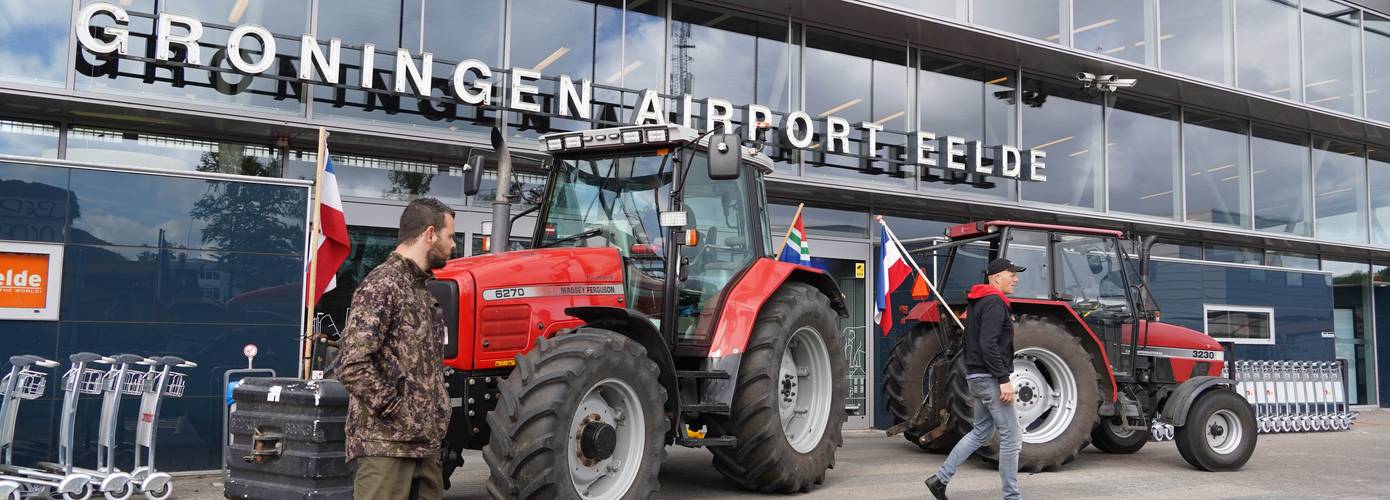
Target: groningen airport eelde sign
[471,83]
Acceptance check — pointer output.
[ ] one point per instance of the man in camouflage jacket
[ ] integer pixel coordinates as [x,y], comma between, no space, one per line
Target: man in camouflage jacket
[390,363]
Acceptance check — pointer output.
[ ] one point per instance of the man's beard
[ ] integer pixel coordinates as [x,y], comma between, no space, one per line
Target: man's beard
[436,257]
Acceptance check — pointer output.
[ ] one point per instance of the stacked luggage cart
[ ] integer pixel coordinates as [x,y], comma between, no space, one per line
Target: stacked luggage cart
[152,379]
[1295,396]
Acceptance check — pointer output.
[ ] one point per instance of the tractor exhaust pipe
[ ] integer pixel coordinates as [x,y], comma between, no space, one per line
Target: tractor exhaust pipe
[502,206]
[1145,250]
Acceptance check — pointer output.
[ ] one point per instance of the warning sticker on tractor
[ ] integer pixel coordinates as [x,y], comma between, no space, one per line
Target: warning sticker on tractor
[551,291]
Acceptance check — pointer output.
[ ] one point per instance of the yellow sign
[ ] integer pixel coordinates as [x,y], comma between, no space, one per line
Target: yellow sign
[859,270]
[505,362]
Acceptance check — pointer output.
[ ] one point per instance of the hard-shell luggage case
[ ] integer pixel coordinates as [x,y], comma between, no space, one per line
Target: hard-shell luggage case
[287,440]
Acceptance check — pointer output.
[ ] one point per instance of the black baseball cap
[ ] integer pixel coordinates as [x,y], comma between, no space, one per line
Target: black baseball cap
[1000,265]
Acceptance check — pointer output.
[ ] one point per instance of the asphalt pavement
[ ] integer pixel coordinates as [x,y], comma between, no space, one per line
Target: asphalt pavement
[1348,464]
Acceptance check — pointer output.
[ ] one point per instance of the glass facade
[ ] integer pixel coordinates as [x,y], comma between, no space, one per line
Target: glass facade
[1041,19]
[1379,184]
[1123,30]
[1066,124]
[1197,38]
[1216,170]
[1267,47]
[34,41]
[858,82]
[1352,319]
[1377,58]
[1331,55]
[1282,181]
[1143,151]
[1339,172]
[942,82]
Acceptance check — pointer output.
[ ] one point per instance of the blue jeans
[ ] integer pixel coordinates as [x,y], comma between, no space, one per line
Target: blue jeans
[990,413]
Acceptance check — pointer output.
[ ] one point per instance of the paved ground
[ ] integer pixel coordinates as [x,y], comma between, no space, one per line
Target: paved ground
[1351,464]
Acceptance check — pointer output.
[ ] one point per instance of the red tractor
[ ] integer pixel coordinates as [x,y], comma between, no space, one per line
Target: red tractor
[647,313]
[1093,365]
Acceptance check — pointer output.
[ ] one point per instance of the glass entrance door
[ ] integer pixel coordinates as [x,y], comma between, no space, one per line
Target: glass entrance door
[848,264]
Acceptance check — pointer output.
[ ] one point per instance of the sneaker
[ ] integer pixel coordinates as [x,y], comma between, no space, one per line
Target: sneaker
[937,489]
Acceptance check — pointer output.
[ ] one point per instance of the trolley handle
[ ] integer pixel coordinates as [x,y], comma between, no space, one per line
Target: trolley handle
[46,363]
[186,364]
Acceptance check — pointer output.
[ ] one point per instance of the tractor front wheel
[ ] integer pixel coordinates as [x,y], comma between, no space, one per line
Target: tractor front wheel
[1110,436]
[789,399]
[1220,432]
[579,418]
[907,383]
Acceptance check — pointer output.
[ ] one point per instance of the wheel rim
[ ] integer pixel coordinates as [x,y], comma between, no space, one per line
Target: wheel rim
[1118,430]
[804,389]
[1045,394]
[613,406]
[1224,432]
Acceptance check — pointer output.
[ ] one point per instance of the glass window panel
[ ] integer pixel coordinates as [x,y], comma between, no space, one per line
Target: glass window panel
[140,149]
[1380,196]
[1234,255]
[28,139]
[1217,165]
[1122,29]
[971,101]
[1339,176]
[359,22]
[1267,46]
[1377,67]
[381,178]
[1066,124]
[1291,259]
[1040,19]
[34,202]
[843,76]
[1355,344]
[818,220]
[1177,250]
[1196,38]
[286,17]
[455,31]
[1332,55]
[1240,325]
[222,88]
[1283,181]
[559,42]
[955,9]
[1030,250]
[34,41]
[1145,176]
[712,53]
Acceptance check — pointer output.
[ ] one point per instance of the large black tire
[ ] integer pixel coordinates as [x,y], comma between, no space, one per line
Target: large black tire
[1062,449]
[1109,437]
[532,425]
[764,460]
[905,383]
[1232,413]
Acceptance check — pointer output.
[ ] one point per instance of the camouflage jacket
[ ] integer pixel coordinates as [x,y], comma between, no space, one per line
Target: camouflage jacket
[390,363]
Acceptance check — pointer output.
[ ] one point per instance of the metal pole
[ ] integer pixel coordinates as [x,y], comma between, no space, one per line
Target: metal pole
[908,257]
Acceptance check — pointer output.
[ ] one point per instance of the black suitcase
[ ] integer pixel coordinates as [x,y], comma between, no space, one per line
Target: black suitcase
[287,440]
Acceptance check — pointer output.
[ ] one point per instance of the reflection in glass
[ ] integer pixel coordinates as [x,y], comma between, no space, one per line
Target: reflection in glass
[1380,195]
[1196,38]
[1217,166]
[714,53]
[969,101]
[1145,176]
[1291,259]
[818,220]
[858,82]
[1351,320]
[36,139]
[359,22]
[629,54]
[381,178]
[1339,177]
[954,9]
[1282,181]
[1332,55]
[560,42]
[1123,29]
[1066,124]
[1377,59]
[1234,255]
[139,149]
[1042,19]
[34,202]
[107,73]
[33,41]
[455,31]
[287,17]
[1267,44]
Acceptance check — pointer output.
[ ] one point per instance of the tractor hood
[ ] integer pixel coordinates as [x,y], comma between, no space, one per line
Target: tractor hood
[1174,336]
[538,267]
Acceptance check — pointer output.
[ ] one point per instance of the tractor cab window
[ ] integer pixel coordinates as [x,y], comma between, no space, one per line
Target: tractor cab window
[1029,249]
[1090,276]
[966,269]
[719,212]
[607,202]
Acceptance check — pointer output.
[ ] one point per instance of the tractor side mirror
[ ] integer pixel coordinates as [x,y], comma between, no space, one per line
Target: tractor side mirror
[725,156]
[473,175]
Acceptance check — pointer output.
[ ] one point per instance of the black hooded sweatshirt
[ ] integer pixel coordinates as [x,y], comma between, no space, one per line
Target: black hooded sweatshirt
[989,334]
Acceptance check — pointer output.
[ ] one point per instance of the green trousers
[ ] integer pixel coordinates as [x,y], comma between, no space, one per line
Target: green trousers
[388,478]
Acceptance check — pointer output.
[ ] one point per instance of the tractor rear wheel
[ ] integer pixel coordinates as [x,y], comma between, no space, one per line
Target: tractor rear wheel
[579,418]
[789,398]
[1220,432]
[1057,395]
[906,384]
[1111,437]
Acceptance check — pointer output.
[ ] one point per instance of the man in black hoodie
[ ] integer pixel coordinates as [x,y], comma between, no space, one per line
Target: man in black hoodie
[989,361]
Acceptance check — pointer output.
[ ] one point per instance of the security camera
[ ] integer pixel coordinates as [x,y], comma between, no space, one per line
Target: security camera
[1122,83]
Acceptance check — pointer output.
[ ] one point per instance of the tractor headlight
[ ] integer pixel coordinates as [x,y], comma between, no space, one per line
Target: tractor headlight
[554,144]
[657,135]
[574,141]
[632,137]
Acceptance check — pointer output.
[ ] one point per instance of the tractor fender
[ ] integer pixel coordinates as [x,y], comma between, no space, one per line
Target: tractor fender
[638,327]
[744,298]
[1175,409]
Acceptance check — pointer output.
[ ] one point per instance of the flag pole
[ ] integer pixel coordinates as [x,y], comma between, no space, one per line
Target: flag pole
[788,236]
[306,346]
[908,257]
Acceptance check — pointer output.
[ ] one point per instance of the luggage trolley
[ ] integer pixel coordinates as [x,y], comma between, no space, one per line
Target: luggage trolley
[120,380]
[23,382]
[159,381]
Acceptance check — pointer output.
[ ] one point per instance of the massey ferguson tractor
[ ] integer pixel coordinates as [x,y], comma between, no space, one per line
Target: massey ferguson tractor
[647,313]
[1093,365]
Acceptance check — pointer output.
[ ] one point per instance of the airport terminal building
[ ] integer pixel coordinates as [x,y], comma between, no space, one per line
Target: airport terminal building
[164,149]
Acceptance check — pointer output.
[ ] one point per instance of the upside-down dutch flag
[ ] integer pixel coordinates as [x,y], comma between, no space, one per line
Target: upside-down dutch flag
[331,238]
[797,250]
[892,270]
